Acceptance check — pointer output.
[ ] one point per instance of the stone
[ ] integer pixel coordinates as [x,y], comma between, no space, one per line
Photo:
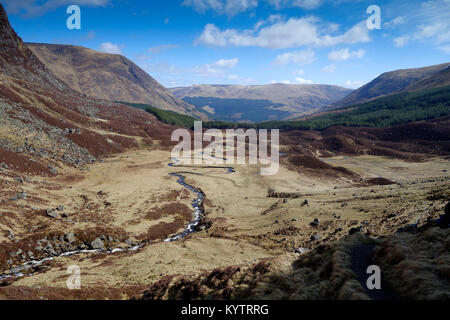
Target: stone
[316,237]
[97,244]
[70,237]
[300,250]
[19,180]
[130,242]
[60,208]
[52,214]
[315,223]
[11,234]
[49,249]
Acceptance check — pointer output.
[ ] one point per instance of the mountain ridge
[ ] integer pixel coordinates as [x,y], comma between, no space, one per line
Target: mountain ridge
[107,76]
[293,99]
[397,81]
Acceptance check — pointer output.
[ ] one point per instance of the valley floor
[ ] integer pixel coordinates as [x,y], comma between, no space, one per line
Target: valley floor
[131,198]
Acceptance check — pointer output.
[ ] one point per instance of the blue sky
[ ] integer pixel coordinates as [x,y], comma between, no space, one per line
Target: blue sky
[185,42]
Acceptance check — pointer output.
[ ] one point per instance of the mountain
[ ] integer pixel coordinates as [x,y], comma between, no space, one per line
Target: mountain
[405,80]
[107,76]
[259,103]
[45,124]
[439,79]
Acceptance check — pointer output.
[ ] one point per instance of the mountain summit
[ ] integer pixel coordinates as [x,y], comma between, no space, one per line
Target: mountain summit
[107,76]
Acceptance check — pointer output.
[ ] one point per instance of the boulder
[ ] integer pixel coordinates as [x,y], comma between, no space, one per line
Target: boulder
[97,244]
[70,237]
[52,213]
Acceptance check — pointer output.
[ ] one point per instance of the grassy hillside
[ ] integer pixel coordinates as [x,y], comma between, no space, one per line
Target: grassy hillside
[383,112]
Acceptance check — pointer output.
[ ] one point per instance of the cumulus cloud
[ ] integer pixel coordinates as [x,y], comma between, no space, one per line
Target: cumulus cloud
[445,49]
[303,81]
[329,68]
[304,4]
[33,8]
[345,54]
[224,63]
[302,57]
[283,34]
[432,24]
[395,22]
[353,84]
[401,41]
[233,7]
[216,68]
[160,48]
[109,47]
[229,7]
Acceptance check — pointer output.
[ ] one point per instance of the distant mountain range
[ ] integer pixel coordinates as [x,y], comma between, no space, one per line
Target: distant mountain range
[407,80]
[260,103]
[108,76]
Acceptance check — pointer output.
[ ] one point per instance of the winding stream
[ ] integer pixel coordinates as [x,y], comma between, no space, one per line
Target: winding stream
[197,205]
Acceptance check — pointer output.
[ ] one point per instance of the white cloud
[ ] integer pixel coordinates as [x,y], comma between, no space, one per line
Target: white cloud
[395,22]
[284,34]
[329,68]
[345,54]
[353,84]
[233,7]
[401,41]
[109,47]
[33,8]
[304,4]
[303,81]
[300,57]
[298,72]
[217,68]
[229,7]
[160,48]
[432,21]
[224,63]
[445,49]
[297,80]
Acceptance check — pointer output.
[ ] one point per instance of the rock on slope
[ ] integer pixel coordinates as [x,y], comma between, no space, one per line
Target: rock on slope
[296,99]
[46,122]
[107,76]
[397,81]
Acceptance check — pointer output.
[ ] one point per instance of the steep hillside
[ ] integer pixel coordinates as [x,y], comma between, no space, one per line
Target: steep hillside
[439,79]
[44,123]
[397,81]
[258,103]
[107,76]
